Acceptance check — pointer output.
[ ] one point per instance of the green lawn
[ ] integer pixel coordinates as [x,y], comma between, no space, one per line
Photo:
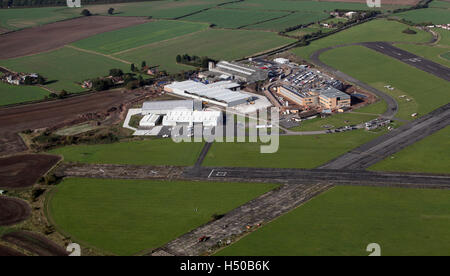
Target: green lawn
[433,15]
[233,18]
[131,37]
[430,155]
[306,152]
[217,44]
[291,20]
[378,108]
[375,30]
[425,91]
[11,94]
[446,56]
[335,121]
[65,66]
[14,19]
[146,152]
[444,36]
[125,217]
[344,220]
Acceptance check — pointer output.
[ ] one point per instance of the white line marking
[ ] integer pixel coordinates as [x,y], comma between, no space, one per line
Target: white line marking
[209,176]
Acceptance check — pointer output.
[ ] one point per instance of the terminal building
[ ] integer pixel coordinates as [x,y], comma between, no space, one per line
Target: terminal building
[222,93]
[328,98]
[238,71]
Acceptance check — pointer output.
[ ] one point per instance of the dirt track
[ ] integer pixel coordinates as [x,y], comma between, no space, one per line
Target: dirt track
[49,114]
[9,252]
[24,170]
[34,243]
[13,210]
[55,35]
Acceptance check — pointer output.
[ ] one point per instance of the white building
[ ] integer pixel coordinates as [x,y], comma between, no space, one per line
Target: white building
[162,107]
[220,93]
[206,118]
[281,60]
[149,120]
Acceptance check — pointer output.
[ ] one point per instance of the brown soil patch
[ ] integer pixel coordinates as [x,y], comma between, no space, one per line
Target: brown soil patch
[34,243]
[13,210]
[55,35]
[24,170]
[9,252]
[55,113]
[383,2]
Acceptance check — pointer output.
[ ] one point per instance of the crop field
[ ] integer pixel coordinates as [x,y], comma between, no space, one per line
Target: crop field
[430,155]
[334,121]
[300,5]
[433,15]
[217,44]
[167,9]
[11,94]
[344,220]
[375,30]
[132,37]
[294,19]
[125,217]
[425,91]
[233,18]
[14,19]
[306,152]
[146,152]
[64,67]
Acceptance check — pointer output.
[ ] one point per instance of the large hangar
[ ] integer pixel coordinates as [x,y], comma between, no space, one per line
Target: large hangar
[218,93]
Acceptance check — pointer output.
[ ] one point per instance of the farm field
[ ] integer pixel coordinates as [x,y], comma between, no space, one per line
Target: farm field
[433,53]
[433,15]
[334,121]
[300,5]
[146,152]
[11,94]
[294,19]
[425,91]
[344,220]
[304,152]
[167,9]
[233,18]
[15,19]
[375,30]
[217,44]
[430,155]
[64,67]
[131,37]
[125,217]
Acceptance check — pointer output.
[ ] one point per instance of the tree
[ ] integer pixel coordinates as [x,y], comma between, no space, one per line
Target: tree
[40,80]
[178,58]
[132,67]
[115,73]
[28,80]
[143,64]
[86,12]
[111,11]
[63,94]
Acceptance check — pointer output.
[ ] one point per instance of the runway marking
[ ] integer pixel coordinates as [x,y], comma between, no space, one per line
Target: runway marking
[221,174]
[209,176]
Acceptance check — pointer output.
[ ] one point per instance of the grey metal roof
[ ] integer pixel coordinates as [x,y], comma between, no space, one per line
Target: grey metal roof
[331,92]
[169,105]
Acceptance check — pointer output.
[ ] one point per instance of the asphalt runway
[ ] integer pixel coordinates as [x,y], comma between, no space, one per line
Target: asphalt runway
[426,65]
[392,142]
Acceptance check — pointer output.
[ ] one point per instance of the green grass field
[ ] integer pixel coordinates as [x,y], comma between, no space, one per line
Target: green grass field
[306,152]
[291,20]
[446,56]
[425,91]
[14,19]
[375,30]
[146,152]
[430,155]
[433,15]
[125,217]
[378,108]
[233,18]
[65,66]
[131,37]
[444,36]
[344,220]
[335,121]
[217,44]
[11,94]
